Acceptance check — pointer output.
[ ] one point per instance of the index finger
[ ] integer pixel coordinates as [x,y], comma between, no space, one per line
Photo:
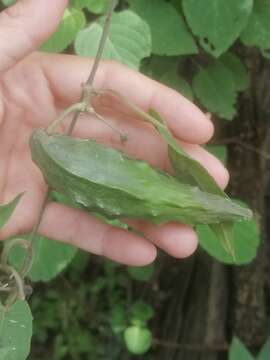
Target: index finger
[24,26]
[65,73]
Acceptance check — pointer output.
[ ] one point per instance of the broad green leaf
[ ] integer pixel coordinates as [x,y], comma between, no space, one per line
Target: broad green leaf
[15,331]
[156,66]
[138,340]
[141,313]
[238,351]
[129,40]
[165,70]
[257,31]
[177,4]
[265,351]
[192,172]
[217,23]
[73,21]
[219,151]
[7,210]
[49,258]
[215,88]
[95,6]
[238,70]
[178,83]
[8,2]
[106,180]
[143,273]
[246,239]
[170,34]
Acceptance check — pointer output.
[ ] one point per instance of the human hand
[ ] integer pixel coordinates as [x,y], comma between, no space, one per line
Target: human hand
[36,87]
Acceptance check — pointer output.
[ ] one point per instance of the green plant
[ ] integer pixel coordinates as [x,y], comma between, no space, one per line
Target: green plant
[171,50]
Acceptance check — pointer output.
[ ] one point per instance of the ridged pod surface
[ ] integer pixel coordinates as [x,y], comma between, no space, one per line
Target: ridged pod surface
[107,181]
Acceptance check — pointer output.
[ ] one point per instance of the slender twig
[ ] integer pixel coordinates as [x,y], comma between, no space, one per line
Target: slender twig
[77,109]
[102,43]
[202,347]
[234,140]
[123,135]
[87,87]
[27,264]
[191,347]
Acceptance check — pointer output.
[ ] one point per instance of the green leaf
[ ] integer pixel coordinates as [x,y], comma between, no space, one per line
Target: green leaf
[7,210]
[49,258]
[15,331]
[8,2]
[170,34]
[95,6]
[217,23]
[246,239]
[238,351]
[215,88]
[257,31]
[221,152]
[265,351]
[73,21]
[165,70]
[176,82]
[238,70]
[129,40]
[157,66]
[141,313]
[143,273]
[138,340]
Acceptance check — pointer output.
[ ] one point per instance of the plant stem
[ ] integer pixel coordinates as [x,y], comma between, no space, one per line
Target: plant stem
[73,108]
[27,264]
[102,43]
[77,109]
[87,87]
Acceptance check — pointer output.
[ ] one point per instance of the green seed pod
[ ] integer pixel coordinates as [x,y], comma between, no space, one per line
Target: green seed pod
[107,181]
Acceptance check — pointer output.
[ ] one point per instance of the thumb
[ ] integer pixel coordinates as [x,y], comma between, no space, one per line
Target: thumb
[25,26]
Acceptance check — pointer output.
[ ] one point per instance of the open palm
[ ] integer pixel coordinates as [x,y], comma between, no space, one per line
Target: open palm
[35,88]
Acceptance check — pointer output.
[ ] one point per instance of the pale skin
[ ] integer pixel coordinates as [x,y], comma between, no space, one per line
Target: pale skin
[36,87]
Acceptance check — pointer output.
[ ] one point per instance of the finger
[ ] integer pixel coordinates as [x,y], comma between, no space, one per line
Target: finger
[84,231]
[175,239]
[213,165]
[24,26]
[66,73]
[146,144]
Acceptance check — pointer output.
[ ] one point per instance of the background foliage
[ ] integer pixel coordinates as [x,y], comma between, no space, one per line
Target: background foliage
[97,309]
